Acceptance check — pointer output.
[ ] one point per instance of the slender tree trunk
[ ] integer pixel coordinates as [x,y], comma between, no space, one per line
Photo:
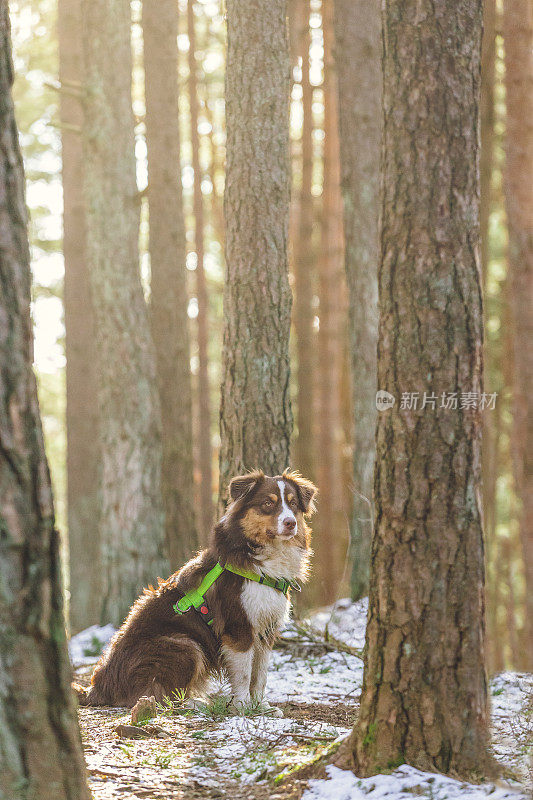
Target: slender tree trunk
[255,415]
[486,156]
[330,544]
[82,451]
[495,661]
[304,265]
[132,520]
[204,403]
[358,43]
[40,746]
[510,604]
[216,204]
[518,42]
[489,444]
[424,698]
[169,300]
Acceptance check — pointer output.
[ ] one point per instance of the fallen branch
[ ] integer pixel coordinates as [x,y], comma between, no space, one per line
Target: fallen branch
[310,637]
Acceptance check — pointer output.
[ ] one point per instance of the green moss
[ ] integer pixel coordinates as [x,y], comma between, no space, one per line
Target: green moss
[370,735]
[394,763]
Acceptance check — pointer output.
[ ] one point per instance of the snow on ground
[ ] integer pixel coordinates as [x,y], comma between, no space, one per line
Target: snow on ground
[245,748]
[345,621]
[403,784]
[85,647]
[318,685]
[330,677]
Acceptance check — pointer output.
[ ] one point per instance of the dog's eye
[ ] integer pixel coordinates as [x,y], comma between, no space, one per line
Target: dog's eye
[267,503]
[293,504]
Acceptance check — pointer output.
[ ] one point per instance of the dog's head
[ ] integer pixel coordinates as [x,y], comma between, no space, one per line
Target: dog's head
[264,509]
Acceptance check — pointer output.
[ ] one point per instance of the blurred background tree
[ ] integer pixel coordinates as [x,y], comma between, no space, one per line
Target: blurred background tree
[330,321]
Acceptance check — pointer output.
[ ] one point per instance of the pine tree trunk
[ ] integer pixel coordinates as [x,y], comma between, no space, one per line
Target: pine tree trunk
[424,698]
[204,402]
[40,747]
[331,541]
[255,416]
[358,49]
[510,604]
[489,444]
[82,451]
[486,157]
[304,262]
[169,299]
[518,43]
[132,519]
[493,557]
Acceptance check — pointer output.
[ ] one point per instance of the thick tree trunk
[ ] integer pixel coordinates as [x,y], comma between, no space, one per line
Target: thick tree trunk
[204,402]
[132,519]
[255,415]
[518,42]
[169,299]
[40,747]
[82,420]
[424,698]
[331,542]
[358,50]
[304,262]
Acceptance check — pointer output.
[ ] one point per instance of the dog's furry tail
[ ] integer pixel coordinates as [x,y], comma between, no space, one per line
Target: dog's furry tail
[82,693]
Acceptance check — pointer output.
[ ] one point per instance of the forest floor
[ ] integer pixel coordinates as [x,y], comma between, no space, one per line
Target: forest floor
[315,678]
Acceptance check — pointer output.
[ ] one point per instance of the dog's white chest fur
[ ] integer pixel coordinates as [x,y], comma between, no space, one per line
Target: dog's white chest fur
[267,608]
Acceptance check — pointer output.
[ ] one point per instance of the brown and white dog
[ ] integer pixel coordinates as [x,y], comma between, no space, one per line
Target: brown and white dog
[158,652]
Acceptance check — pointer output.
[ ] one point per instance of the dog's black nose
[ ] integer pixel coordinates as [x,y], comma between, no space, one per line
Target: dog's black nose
[289,523]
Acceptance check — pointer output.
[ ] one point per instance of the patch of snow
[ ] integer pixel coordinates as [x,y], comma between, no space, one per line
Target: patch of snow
[403,784]
[315,679]
[344,620]
[512,725]
[249,742]
[92,638]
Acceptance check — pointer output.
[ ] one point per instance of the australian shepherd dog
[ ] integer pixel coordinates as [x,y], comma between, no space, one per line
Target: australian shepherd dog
[159,652]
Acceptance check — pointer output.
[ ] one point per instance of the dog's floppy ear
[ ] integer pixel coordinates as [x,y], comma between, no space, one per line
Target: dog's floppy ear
[243,484]
[306,491]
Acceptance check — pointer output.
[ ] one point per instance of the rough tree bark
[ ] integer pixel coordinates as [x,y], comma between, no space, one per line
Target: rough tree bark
[82,451]
[255,415]
[424,698]
[358,51]
[332,539]
[204,402]
[170,327]
[132,519]
[304,262]
[40,746]
[518,43]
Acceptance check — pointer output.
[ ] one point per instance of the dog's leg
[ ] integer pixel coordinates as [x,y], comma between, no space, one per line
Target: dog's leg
[239,668]
[259,671]
[259,678]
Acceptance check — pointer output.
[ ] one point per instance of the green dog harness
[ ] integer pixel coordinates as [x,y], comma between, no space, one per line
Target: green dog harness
[195,598]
